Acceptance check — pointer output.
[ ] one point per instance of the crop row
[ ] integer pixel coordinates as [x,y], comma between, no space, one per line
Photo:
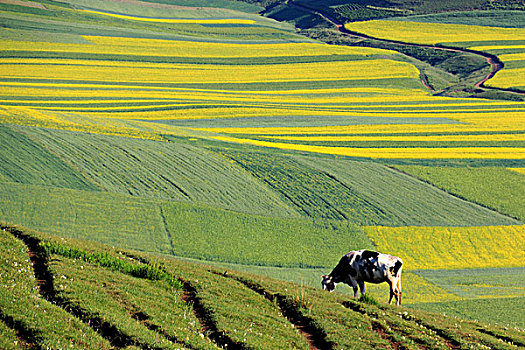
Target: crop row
[157,73]
[184,48]
[177,20]
[483,152]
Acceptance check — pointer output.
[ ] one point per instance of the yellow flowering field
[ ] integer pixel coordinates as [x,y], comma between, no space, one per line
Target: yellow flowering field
[442,138]
[474,122]
[518,170]
[513,56]
[206,74]
[179,48]
[393,152]
[508,78]
[433,33]
[445,248]
[175,20]
[73,122]
[120,93]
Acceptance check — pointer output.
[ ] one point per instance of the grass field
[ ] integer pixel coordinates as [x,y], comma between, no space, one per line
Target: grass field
[201,132]
[99,303]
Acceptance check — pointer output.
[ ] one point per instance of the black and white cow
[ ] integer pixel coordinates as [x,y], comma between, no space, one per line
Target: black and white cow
[358,267]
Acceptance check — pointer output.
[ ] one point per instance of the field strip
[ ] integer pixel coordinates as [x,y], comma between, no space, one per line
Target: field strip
[206,74]
[434,33]
[393,153]
[496,47]
[512,57]
[443,138]
[388,93]
[391,129]
[182,48]
[518,170]
[175,20]
[23,3]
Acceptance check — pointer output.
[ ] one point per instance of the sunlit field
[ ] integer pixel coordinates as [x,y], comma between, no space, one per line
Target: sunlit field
[506,43]
[202,131]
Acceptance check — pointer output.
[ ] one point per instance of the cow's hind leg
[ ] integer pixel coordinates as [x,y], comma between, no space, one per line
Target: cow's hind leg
[398,291]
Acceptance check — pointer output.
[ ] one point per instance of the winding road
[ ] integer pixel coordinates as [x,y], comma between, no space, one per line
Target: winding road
[492,60]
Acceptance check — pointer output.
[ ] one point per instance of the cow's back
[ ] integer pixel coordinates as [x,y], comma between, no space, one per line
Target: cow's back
[373,267]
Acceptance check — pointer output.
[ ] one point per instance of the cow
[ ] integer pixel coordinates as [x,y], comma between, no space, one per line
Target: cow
[358,267]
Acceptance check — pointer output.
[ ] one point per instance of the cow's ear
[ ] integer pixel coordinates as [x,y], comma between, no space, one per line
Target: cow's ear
[324,276]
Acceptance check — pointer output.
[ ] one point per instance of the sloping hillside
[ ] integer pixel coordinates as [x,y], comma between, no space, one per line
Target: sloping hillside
[196,129]
[74,294]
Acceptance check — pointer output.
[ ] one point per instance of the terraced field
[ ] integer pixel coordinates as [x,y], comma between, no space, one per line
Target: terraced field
[203,131]
[99,297]
[498,33]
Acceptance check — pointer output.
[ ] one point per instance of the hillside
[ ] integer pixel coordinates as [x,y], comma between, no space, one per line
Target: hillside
[197,137]
[73,294]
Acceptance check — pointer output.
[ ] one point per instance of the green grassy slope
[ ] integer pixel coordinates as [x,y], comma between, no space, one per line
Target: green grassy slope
[100,297]
[287,215]
[189,230]
[362,192]
[169,171]
[497,188]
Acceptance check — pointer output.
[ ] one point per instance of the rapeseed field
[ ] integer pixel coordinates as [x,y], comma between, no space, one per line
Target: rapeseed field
[459,35]
[176,20]
[484,243]
[434,33]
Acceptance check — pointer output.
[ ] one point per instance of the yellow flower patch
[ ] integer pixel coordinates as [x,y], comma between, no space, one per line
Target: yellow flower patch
[393,153]
[202,73]
[175,20]
[433,33]
[452,247]
[439,138]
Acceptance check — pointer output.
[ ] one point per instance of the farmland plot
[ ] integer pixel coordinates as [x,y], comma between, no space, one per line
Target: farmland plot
[140,168]
[504,39]
[496,188]
[363,192]
[120,127]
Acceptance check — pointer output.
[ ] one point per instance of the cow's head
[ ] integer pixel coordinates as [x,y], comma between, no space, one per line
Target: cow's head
[328,283]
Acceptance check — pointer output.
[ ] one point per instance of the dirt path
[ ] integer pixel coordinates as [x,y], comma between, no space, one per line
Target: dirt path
[492,60]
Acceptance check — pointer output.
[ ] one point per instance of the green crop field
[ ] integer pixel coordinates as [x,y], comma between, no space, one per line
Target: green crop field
[100,297]
[179,174]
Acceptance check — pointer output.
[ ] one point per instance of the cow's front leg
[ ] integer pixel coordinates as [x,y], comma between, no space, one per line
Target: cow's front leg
[353,283]
[362,287]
